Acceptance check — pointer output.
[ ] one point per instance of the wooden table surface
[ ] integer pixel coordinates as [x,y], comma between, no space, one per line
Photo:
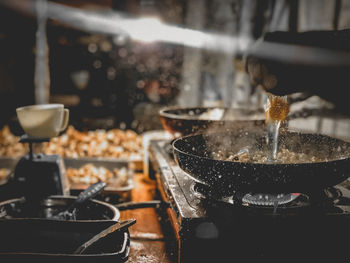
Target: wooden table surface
[151,237]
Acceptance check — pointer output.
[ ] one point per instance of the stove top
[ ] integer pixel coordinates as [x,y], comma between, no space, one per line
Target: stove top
[209,226]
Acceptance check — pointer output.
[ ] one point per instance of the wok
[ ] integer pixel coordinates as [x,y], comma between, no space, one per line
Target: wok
[181,121]
[194,155]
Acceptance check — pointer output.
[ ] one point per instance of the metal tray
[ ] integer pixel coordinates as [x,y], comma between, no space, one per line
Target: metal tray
[8,163]
[108,163]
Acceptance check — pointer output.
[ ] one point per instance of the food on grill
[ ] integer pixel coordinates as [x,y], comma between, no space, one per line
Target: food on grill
[90,174]
[10,145]
[283,156]
[113,143]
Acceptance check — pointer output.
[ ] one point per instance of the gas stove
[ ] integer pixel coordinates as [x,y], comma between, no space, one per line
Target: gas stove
[250,226]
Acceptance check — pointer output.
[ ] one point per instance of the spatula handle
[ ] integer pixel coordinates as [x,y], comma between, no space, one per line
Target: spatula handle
[90,192]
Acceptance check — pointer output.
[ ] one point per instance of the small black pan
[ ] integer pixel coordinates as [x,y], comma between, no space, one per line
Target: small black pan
[194,154]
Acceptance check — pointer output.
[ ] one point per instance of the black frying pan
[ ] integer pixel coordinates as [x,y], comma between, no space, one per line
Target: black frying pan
[193,153]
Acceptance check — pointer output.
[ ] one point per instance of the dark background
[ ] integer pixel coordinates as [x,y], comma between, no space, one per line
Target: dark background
[122,76]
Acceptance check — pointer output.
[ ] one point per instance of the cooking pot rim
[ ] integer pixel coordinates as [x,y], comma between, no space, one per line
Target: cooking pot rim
[115,210]
[166,112]
[255,164]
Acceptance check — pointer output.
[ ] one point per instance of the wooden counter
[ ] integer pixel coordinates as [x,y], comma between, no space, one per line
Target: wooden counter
[151,237]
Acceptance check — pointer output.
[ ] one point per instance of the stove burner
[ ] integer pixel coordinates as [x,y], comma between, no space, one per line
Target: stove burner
[274,204]
[311,219]
[269,199]
[262,200]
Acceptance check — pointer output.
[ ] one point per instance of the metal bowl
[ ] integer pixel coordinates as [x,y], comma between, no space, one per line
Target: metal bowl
[181,121]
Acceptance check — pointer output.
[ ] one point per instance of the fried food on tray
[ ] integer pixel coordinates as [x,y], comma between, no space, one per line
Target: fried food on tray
[90,174]
[4,174]
[113,143]
[10,145]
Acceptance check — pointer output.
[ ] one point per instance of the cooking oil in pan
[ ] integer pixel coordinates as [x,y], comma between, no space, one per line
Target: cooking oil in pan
[276,111]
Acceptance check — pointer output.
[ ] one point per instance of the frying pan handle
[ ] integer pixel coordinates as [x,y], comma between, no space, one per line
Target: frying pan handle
[92,191]
[138,205]
[119,226]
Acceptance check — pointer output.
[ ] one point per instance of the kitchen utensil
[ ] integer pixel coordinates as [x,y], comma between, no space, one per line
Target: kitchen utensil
[119,226]
[36,176]
[89,193]
[194,155]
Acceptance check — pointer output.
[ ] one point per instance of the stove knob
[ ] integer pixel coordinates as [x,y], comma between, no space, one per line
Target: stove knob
[207,230]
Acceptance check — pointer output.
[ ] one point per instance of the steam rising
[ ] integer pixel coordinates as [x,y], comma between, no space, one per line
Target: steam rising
[310,146]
